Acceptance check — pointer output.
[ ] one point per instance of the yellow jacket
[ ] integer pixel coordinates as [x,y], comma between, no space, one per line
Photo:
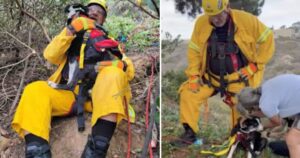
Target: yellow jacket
[56,50]
[253,38]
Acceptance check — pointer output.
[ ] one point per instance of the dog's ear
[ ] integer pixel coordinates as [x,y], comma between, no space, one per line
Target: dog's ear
[234,130]
[257,119]
[236,127]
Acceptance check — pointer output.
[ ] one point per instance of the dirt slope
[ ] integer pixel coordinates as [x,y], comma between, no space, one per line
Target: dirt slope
[67,142]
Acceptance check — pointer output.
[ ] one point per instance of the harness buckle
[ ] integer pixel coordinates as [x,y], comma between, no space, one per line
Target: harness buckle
[221,56]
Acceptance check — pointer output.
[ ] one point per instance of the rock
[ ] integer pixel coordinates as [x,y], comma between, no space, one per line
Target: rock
[4,140]
[4,143]
[66,140]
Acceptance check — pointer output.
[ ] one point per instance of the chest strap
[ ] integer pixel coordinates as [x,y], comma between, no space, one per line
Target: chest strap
[82,48]
[220,50]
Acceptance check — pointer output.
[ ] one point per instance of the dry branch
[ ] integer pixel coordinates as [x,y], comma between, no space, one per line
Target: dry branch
[14,104]
[3,80]
[33,52]
[35,19]
[14,64]
[14,37]
[144,10]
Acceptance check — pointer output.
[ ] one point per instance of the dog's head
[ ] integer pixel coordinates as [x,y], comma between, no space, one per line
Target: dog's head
[76,10]
[250,129]
[247,125]
[250,125]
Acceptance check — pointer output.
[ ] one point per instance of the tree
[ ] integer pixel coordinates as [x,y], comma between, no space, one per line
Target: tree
[189,7]
[153,5]
[193,7]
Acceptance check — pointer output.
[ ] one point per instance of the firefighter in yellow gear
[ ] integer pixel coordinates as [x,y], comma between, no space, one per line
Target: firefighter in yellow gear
[228,51]
[40,102]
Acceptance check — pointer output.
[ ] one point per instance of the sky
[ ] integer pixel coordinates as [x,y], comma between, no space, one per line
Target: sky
[274,13]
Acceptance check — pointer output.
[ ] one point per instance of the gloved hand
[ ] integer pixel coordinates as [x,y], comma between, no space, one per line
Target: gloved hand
[247,71]
[265,134]
[117,63]
[194,83]
[80,24]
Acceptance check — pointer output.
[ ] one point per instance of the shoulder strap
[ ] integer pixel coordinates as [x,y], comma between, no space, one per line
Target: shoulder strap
[82,48]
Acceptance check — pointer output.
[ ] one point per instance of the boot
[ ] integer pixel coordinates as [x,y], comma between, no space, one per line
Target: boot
[38,150]
[95,147]
[187,138]
[279,148]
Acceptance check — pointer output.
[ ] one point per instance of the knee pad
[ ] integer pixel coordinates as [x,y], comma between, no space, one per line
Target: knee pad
[101,143]
[38,150]
[96,147]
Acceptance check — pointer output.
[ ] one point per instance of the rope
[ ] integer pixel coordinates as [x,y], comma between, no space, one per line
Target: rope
[148,101]
[128,128]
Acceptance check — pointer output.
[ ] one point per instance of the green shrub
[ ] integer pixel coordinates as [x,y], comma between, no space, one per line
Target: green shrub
[169,44]
[170,84]
[143,36]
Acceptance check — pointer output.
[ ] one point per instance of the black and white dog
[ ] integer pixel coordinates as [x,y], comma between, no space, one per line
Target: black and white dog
[248,136]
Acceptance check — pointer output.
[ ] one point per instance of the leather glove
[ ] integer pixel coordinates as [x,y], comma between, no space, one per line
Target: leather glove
[117,63]
[247,71]
[194,83]
[80,24]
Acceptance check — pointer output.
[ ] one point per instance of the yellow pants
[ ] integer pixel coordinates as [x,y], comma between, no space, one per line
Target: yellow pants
[39,102]
[190,102]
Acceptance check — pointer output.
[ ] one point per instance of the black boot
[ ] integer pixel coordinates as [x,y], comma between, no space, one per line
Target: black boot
[279,148]
[95,147]
[37,150]
[187,138]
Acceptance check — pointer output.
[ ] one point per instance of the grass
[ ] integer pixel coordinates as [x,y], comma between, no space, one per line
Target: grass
[215,131]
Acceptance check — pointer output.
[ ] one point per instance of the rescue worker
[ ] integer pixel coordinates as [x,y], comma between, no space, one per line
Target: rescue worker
[228,51]
[40,102]
[277,99]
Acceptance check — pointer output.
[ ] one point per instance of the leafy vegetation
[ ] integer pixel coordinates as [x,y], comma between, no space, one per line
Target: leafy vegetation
[27,26]
[170,84]
[216,129]
[169,44]
[138,36]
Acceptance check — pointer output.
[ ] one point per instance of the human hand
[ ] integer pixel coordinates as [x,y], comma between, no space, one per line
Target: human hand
[194,83]
[80,24]
[247,71]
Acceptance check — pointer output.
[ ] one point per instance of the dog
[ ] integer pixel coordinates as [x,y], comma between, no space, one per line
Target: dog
[248,136]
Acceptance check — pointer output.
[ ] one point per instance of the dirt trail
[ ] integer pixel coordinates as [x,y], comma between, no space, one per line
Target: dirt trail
[67,142]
